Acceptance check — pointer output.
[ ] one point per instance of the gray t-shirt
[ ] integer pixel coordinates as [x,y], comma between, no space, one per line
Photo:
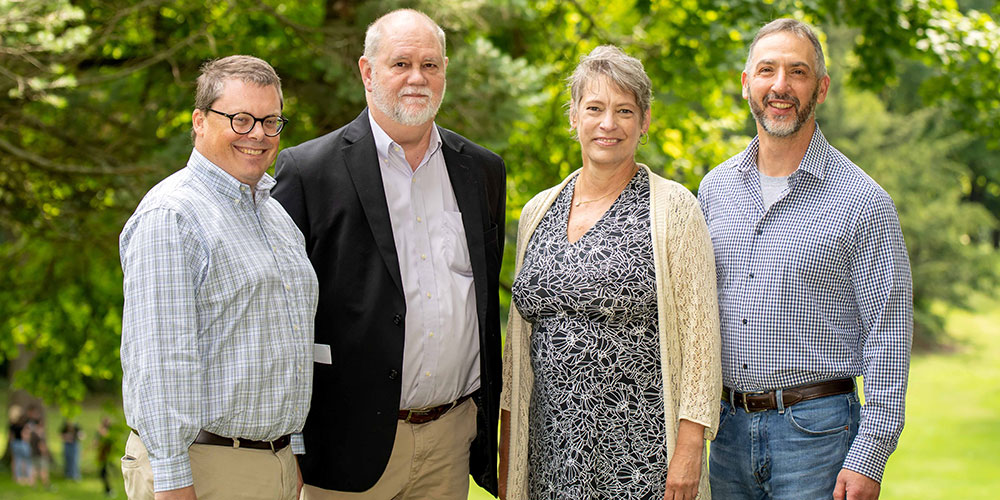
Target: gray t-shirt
[772,188]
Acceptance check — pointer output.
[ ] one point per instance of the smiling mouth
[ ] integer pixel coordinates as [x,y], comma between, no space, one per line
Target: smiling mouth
[607,141]
[780,105]
[251,152]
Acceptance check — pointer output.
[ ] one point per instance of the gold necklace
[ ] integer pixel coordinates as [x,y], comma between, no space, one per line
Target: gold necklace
[616,190]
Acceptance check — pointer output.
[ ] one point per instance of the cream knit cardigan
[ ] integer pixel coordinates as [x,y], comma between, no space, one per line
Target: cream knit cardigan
[687,307]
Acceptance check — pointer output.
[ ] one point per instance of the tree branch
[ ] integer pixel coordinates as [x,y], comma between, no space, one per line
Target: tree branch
[51,166]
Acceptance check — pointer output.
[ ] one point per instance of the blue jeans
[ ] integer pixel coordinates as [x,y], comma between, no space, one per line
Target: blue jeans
[22,459]
[71,457]
[789,453]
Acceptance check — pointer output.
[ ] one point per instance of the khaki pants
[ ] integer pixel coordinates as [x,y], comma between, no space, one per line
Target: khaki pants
[220,472]
[429,461]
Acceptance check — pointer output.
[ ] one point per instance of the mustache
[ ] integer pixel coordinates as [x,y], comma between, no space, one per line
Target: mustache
[423,92]
[781,97]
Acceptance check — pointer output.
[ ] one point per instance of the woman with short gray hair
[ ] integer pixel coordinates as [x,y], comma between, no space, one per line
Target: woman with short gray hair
[611,363]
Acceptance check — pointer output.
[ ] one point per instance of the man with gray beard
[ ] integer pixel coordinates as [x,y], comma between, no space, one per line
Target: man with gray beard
[403,222]
[814,290]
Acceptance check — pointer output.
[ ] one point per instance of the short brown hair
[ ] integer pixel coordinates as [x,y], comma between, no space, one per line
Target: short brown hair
[248,69]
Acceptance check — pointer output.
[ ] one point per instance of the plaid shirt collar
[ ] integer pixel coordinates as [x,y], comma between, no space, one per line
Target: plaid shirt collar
[813,163]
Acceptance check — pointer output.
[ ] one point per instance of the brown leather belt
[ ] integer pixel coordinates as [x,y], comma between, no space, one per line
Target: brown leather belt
[205,437]
[424,415]
[767,400]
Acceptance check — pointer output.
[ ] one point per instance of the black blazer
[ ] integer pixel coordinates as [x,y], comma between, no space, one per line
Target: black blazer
[332,188]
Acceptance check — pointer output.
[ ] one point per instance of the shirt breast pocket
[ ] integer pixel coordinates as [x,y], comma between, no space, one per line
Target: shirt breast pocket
[455,247]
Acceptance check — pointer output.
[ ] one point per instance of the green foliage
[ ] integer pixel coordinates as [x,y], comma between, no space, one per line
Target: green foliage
[99,97]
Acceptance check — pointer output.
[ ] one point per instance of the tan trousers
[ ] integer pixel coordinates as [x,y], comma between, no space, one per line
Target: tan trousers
[220,472]
[428,462]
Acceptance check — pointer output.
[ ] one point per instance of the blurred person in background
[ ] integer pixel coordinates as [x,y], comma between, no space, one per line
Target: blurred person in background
[71,436]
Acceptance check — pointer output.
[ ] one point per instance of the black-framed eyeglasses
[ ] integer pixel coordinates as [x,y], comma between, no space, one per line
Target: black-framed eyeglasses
[244,122]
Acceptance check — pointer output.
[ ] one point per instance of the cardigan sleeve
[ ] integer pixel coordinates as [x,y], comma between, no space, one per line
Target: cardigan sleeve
[514,320]
[692,275]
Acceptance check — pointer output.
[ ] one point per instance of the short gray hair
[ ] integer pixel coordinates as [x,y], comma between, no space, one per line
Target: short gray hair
[797,28]
[373,36]
[248,69]
[624,71]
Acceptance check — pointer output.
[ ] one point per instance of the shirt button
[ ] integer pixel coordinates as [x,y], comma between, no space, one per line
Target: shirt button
[295,327]
[428,374]
[423,256]
[393,374]
[288,288]
[419,219]
[760,232]
[397,319]
[744,366]
[744,321]
[428,295]
[751,275]
[431,334]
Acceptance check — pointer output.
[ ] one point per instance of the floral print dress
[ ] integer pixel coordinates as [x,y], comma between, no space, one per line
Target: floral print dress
[596,418]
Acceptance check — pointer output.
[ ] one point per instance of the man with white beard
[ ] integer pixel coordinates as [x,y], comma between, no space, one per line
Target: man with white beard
[403,222]
[814,290]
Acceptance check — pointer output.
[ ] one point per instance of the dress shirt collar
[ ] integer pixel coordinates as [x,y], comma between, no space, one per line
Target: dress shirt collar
[383,142]
[220,180]
[814,161]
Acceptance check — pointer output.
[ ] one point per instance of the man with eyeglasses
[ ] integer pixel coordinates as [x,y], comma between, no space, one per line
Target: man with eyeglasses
[220,298]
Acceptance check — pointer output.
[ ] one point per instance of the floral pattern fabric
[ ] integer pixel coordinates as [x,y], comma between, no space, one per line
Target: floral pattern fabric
[596,418]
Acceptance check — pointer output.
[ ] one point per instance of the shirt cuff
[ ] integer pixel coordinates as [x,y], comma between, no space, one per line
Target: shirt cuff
[867,457]
[171,473]
[298,444]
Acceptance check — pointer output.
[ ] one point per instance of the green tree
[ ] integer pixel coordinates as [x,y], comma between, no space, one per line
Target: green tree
[98,97]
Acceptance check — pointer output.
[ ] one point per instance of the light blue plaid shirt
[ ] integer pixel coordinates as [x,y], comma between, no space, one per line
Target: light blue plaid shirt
[815,288]
[217,330]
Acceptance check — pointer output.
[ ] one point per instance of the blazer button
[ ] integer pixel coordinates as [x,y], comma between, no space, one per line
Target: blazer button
[393,374]
[397,319]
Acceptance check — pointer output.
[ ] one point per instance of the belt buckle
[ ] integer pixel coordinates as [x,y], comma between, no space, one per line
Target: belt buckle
[416,412]
[743,396]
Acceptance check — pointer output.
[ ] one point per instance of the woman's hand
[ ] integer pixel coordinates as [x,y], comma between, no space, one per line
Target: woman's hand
[684,470]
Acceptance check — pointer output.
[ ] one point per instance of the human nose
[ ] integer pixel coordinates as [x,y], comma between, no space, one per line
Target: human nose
[416,76]
[256,132]
[781,82]
[608,120]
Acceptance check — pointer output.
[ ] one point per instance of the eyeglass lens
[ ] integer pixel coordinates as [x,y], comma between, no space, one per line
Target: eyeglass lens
[244,122]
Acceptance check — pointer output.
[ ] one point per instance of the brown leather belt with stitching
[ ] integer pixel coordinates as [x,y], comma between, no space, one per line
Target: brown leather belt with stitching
[424,415]
[205,437]
[761,401]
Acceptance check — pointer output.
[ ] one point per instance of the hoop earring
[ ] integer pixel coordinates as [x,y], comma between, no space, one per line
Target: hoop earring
[644,138]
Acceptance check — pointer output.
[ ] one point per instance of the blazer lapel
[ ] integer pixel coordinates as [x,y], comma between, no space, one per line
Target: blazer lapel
[362,164]
[469,195]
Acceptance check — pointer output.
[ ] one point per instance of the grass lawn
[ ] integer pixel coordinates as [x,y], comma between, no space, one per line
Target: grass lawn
[948,449]
[949,445]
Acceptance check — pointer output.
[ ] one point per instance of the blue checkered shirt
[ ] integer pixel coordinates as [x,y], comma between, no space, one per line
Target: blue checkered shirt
[217,330]
[815,288]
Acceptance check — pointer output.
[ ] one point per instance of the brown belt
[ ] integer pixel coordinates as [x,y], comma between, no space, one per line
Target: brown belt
[767,400]
[424,415]
[205,437]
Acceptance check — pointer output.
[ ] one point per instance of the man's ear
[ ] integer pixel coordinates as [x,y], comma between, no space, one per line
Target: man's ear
[365,66]
[198,122]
